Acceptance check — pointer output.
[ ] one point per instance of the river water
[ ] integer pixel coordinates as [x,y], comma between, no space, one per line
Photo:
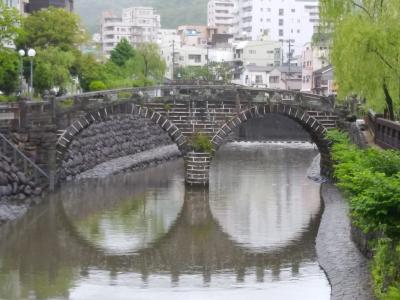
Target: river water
[143,235]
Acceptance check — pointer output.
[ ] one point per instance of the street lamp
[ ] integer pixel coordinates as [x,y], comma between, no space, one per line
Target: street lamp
[21,69]
[31,54]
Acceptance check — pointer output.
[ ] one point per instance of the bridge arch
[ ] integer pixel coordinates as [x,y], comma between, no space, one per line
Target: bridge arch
[103,114]
[314,128]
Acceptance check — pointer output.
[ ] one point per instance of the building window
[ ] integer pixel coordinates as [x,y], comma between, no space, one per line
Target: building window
[252,52]
[280,32]
[195,57]
[274,79]
[293,10]
[280,22]
[259,79]
[281,11]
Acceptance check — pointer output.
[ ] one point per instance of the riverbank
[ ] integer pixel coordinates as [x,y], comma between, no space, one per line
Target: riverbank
[132,162]
[346,268]
[12,209]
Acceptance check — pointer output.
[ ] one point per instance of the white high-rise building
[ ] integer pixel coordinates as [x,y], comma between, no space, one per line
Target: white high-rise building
[222,14]
[137,25]
[283,20]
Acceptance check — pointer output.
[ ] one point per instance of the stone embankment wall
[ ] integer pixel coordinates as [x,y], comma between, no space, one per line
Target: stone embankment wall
[117,137]
[14,184]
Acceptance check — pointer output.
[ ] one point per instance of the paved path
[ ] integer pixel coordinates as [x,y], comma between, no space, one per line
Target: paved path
[120,164]
[346,268]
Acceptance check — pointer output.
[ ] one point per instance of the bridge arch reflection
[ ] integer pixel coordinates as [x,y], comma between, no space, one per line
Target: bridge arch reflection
[194,243]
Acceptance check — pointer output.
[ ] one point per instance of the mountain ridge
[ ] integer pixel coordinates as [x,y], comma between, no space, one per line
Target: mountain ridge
[173,12]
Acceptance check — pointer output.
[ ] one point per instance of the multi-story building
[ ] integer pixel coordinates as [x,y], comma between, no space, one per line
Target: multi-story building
[314,57]
[137,25]
[196,35]
[222,14]
[20,5]
[259,53]
[285,77]
[35,5]
[285,20]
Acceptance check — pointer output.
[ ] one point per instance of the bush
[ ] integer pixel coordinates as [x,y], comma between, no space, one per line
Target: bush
[386,271]
[201,142]
[371,181]
[97,85]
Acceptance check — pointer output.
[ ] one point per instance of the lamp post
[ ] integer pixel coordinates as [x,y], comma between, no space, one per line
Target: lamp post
[31,54]
[21,69]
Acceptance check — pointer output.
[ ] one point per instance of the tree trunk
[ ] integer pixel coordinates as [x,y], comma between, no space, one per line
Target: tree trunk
[389,101]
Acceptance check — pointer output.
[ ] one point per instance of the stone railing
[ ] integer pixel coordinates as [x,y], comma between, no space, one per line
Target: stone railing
[386,133]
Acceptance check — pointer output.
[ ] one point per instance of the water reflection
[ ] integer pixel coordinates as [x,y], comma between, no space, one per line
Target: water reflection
[148,236]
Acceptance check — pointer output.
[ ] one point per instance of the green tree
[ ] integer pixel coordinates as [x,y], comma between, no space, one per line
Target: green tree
[52,69]
[9,71]
[149,62]
[89,70]
[52,27]
[366,49]
[9,24]
[122,53]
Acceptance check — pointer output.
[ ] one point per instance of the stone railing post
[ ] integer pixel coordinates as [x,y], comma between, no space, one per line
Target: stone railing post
[197,168]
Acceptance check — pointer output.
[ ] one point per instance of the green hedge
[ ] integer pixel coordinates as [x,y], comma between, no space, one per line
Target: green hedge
[370,180]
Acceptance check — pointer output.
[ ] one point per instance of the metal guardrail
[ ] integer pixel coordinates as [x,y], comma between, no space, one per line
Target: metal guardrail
[386,133]
[24,164]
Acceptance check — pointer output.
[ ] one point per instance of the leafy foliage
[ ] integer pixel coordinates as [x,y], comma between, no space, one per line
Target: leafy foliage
[52,27]
[9,71]
[371,181]
[97,85]
[201,142]
[366,49]
[9,24]
[122,53]
[214,71]
[52,69]
[386,270]
[149,63]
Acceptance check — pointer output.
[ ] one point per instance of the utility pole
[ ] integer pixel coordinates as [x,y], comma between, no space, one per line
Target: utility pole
[289,41]
[173,59]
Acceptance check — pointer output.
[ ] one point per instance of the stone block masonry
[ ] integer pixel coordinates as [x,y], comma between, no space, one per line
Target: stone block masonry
[14,184]
[119,136]
[197,168]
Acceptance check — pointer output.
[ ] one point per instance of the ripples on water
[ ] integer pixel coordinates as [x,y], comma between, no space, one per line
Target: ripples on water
[144,236]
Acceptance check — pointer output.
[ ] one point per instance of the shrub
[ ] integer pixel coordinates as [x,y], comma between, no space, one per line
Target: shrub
[97,85]
[386,271]
[371,181]
[201,142]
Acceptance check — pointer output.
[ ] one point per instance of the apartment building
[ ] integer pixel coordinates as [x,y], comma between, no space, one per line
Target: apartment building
[259,53]
[284,20]
[223,14]
[196,35]
[314,57]
[137,25]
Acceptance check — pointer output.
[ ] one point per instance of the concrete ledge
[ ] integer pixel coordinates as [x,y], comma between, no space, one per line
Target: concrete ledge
[346,268]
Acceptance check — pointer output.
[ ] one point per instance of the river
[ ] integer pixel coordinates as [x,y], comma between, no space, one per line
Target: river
[143,235]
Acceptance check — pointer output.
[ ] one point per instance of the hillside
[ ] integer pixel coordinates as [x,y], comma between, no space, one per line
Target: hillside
[173,12]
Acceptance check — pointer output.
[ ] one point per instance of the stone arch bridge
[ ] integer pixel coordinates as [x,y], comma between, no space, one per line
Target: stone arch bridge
[182,111]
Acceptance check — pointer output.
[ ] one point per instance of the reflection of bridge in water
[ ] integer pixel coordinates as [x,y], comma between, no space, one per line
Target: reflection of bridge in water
[194,243]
